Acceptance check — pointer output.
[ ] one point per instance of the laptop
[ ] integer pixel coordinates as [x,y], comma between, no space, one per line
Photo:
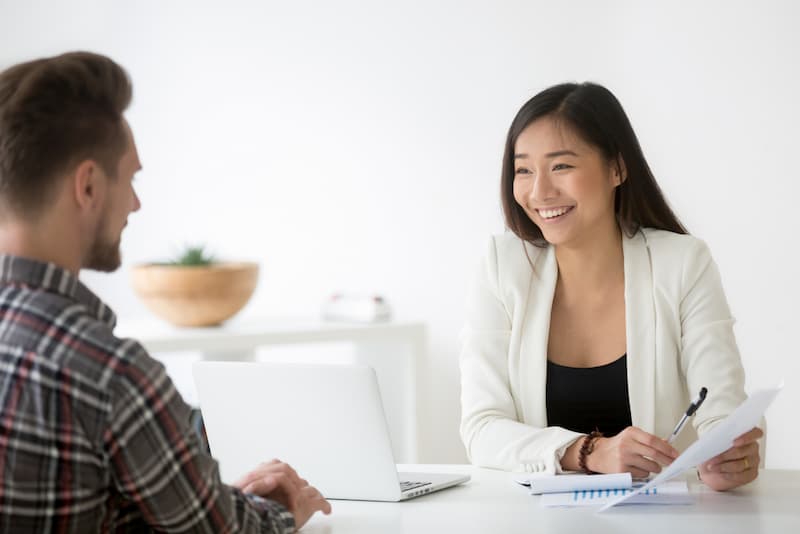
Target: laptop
[326,421]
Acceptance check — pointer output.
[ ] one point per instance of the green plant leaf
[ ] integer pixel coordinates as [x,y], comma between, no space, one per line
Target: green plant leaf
[194,255]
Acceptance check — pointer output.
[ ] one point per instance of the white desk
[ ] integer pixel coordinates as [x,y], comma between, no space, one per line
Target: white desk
[391,348]
[492,503]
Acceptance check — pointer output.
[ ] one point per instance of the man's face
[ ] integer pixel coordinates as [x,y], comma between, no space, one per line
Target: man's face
[120,201]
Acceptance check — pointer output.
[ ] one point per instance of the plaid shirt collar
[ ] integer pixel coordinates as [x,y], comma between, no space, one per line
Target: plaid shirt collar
[16,270]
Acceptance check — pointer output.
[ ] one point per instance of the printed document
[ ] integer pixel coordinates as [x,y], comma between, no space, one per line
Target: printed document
[715,441]
[673,492]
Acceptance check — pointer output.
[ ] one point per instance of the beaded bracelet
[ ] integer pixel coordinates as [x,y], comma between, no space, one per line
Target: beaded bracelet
[586,449]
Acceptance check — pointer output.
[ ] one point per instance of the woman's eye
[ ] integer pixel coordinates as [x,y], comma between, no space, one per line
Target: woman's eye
[561,166]
[522,171]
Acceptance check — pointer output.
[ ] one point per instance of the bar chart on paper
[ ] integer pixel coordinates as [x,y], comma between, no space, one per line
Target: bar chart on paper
[675,492]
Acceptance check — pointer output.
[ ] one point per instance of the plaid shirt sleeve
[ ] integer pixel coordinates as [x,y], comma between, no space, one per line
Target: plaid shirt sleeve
[158,464]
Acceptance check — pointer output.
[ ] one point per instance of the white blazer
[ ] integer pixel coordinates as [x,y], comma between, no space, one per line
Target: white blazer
[679,334]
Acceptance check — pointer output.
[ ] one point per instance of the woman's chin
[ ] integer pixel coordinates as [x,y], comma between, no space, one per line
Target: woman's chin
[556,238]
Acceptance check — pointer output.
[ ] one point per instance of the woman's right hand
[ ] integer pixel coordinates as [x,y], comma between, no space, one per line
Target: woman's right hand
[633,450]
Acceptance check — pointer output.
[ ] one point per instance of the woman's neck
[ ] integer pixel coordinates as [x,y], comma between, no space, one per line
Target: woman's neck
[591,266]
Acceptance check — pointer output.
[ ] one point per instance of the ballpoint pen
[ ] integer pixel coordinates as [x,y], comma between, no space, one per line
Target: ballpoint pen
[689,412]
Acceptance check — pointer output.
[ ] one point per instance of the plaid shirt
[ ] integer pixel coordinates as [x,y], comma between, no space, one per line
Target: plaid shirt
[93,435]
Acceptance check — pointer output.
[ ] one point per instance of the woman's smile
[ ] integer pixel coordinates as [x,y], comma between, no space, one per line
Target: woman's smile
[553,215]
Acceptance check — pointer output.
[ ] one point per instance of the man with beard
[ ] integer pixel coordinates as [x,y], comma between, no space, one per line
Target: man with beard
[93,435]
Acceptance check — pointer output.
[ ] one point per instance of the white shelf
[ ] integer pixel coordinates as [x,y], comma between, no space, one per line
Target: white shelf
[159,336]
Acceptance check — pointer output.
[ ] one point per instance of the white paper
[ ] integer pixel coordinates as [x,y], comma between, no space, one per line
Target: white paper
[717,440]
[566,482]
[676,492]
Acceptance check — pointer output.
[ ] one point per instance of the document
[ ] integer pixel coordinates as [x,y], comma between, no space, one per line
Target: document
[715,441]
[675,492]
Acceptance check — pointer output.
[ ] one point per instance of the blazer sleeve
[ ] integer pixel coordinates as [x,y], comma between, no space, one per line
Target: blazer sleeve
[709,356]
[491,426]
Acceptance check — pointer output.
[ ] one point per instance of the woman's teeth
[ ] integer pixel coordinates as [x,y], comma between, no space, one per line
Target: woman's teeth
[557,212]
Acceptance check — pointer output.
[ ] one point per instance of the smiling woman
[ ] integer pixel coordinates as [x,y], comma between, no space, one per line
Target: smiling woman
[596,304]
[581,121]
[555,172]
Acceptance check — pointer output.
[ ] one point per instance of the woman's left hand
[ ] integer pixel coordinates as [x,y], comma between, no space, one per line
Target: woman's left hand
[736,466]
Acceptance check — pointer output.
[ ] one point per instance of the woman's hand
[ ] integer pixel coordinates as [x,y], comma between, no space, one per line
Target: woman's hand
[736,466]
[633,450]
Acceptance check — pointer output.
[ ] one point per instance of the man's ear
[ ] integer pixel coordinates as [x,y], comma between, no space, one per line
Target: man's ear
[87,185]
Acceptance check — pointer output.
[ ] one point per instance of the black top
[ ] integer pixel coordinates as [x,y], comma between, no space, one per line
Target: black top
[583,399]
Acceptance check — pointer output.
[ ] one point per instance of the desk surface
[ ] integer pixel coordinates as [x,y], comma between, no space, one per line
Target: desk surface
[492,503]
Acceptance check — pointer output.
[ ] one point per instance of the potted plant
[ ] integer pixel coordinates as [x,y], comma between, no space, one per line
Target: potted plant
[195,289]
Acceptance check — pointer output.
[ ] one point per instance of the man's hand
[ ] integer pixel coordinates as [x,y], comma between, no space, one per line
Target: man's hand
[277,481]
[736,466]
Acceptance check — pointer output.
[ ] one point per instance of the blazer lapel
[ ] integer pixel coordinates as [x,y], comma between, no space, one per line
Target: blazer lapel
[537,333]
[640,330]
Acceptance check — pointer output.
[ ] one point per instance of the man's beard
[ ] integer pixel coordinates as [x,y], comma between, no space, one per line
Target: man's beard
[104,255]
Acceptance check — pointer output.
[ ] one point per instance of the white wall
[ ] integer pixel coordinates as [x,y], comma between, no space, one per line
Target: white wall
[356,145]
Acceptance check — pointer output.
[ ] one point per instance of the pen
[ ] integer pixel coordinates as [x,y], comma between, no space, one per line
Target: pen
[689,412]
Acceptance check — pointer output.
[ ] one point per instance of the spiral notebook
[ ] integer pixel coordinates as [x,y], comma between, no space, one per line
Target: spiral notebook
[565,483]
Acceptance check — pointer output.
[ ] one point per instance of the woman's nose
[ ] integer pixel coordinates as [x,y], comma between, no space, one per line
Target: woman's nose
[543,188]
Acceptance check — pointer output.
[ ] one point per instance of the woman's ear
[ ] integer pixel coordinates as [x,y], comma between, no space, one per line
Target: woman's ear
[619,171]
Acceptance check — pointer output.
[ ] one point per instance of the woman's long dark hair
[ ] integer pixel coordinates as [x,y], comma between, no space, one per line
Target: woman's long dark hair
[592,112]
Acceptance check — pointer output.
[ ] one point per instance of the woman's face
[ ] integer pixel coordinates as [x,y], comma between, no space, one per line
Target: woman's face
[565,185]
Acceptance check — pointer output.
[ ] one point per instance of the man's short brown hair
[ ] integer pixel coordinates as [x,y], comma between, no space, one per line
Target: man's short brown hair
[54,113]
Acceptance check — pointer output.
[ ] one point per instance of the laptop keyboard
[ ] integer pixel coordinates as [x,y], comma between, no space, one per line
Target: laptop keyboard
[406,485]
